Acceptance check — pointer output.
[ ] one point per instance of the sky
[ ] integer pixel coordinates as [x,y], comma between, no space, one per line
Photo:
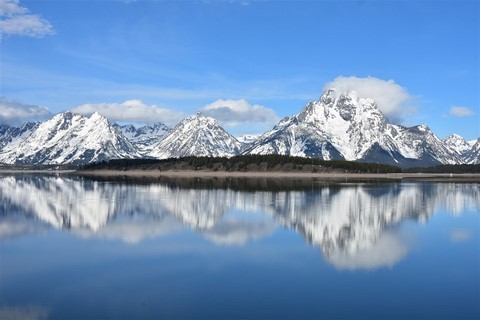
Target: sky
[246,63]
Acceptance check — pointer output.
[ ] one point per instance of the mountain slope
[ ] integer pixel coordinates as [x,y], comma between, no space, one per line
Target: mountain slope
[196,135]
[14,135]
[473,156]
[70,138]
[146,136]
[467,151]
[346,126]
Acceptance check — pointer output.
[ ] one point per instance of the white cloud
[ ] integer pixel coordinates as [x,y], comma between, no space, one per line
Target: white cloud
[237,112]
[16,228]
[386,252]
[131,111]
[460,111]
[238,232]
[17,20]
[12,112]
[132,231]
[392,99]
[11,7]
[460,235]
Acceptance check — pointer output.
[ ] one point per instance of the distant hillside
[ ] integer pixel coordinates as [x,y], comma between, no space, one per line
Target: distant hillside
[245,163]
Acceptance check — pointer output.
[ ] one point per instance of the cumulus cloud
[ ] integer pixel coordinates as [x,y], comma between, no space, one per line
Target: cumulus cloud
[133,231]
[17,20]
[11,7]
[237,112]
[12,112]
[11,228]
[457,111]
[392,99]
[386,252]
[238,232]
[131,111]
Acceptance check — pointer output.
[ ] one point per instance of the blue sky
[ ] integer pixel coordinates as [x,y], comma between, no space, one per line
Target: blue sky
[141,61]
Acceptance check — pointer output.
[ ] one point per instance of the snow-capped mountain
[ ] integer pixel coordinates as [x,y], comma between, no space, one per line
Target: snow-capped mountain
[345,126]
[466,150]
[14,135]
[458,144]
[146,136]
[69,138]
[473,157]
[196,135]
[419,146]
[340,125]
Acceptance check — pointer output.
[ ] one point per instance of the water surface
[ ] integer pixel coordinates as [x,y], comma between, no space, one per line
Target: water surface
[75,248]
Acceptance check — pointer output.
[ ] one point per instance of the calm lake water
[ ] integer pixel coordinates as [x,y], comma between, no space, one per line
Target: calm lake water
[75,248]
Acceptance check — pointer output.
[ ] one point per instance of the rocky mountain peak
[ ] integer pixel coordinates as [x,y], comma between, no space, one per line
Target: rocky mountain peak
[196,135]
[200,117]
[69,138]
[344,125]
[464,149]
[334,105]
[455,139]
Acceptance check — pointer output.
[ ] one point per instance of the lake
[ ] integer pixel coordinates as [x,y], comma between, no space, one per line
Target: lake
[80,248]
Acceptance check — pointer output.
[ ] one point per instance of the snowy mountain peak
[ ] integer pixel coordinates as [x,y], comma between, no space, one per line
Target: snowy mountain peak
[98,117]
[340,107]
[473,156]
[332,94]
[70,138]
[423,128]
[196,135]
[343,125]
[455,139]
[200,117]
[464,149]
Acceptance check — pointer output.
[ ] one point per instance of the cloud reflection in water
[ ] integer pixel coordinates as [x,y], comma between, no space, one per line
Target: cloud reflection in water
[351,224]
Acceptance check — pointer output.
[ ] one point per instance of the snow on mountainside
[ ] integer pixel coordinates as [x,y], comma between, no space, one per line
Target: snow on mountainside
[146,136]
[458,144]
[14,135]
[469,151]
[330,128]
[419,146]
[196,135]
[70,138]
[247,138]
[340,125]
[473,156]
[345,126]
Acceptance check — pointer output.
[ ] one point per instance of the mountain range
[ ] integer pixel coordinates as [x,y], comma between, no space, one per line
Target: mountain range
[340,126]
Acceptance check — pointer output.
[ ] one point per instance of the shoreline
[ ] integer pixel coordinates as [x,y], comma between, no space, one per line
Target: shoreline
[277,174]
[253,174]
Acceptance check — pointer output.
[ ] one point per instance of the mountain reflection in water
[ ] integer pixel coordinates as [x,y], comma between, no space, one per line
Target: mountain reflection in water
[353,224]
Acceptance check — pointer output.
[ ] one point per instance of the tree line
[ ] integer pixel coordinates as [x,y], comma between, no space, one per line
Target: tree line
[271,162]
